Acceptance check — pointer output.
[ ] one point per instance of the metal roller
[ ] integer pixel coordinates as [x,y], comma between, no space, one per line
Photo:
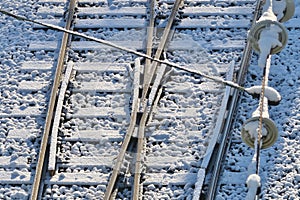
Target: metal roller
[268,140]
[254,35]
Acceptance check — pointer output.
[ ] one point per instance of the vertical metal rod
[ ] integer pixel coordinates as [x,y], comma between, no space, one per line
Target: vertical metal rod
[141,132]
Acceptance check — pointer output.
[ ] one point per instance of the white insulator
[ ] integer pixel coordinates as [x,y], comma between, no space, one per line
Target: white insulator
[253,183]
[283,9]
[265,25]
[269,132]
[289,11]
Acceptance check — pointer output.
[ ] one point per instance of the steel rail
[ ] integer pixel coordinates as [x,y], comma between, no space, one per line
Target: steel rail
[52,102]
[225,137]
[150,32]
[146,103]
[57,117]
[161,48]
[148,76]
[128,136]
[141,131]
[135,106]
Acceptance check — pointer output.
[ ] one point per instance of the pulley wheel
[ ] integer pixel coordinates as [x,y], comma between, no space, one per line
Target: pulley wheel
[255,32]
[268,140]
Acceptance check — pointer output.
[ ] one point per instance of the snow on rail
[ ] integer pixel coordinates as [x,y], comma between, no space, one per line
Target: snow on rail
[187,88]
[160,162]
[92,161]
[22,112]
[138,45]
[78,66]
[118,112]
[33,86]
[16,177]
[172,136]
[145,1]
[95,136]
[141,11]
[36,65]
[21,134]
[80,178]
[101,67]
[170,179]
[14,162]
[102,87]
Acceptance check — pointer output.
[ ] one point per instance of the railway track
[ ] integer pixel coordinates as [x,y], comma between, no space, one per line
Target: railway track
[161,118]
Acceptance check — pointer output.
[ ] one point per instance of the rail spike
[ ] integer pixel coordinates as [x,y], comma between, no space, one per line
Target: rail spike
[249,129]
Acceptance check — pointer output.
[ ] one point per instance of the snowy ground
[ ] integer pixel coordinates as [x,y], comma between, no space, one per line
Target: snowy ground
[280,167]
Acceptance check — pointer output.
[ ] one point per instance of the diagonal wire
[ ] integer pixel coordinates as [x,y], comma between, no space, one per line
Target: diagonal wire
[111,44]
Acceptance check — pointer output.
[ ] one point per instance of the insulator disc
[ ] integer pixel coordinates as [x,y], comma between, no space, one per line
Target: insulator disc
[268,140]
[254,35]
[289,10]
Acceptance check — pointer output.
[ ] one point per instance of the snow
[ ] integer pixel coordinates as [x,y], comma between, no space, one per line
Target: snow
[268,39]
[252,128]
[269,36]
[20,133]
[253,182]
[279,8]
[268,14]
[270,93]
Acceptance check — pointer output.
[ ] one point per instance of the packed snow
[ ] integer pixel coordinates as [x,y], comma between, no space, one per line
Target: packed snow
[268,39]
[269,35]
[252,129]
[270,93]
[253,182]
